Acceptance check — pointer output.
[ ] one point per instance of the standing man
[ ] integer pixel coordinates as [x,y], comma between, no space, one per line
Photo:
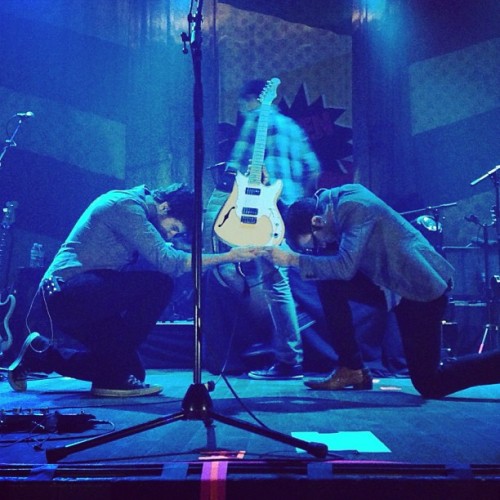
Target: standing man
[93,293]
[288,156]
[359,248]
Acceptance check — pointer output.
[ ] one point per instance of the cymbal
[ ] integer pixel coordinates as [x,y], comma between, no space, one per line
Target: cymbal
[429,209]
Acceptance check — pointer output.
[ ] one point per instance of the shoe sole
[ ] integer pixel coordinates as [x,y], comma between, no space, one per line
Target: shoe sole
[20,385]
[265,377]
[363,386]
[126,393]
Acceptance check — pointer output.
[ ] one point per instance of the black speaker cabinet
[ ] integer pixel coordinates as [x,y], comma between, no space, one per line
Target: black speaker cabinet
[464,329]
[470,270]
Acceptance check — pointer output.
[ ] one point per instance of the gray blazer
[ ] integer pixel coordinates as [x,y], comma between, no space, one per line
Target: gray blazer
[377,241]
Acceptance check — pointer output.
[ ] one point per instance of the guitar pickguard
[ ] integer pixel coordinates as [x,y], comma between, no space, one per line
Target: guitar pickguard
[250,215]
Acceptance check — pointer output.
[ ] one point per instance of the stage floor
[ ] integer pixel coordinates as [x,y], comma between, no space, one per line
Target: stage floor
[390,423]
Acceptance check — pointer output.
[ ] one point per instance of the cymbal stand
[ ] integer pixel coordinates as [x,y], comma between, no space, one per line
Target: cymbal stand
[434,212]
[197,404]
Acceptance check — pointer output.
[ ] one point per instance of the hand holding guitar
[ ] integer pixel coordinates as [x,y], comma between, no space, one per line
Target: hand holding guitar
[245,254]
[280,256]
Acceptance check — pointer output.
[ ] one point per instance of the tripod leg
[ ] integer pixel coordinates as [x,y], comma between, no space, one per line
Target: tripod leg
[319,450]
[55,454]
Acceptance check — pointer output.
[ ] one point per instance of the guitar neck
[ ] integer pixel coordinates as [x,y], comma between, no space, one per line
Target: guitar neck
[5,242]
[255,173]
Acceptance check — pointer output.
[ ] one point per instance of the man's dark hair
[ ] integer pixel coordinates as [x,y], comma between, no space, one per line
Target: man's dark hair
[180,200]
[298,218]
[252,89]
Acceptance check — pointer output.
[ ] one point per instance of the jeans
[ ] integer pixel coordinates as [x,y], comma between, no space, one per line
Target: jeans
[287,343]
[420,325]
[110,313]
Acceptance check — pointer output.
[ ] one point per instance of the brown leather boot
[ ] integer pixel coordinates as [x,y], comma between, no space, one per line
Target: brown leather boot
[343,377]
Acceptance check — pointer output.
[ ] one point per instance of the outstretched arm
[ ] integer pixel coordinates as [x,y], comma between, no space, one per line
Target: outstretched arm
[234,255]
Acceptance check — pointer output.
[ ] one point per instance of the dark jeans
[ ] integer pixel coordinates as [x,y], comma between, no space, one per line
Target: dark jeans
[110,313]
[420,326]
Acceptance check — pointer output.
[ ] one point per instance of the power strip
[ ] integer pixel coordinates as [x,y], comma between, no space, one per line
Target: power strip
[42,421]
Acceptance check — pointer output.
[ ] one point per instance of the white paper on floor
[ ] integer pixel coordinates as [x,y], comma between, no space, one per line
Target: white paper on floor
[361,441]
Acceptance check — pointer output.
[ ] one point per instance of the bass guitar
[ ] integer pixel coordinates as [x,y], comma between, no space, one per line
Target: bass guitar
[250,215]
[7,300]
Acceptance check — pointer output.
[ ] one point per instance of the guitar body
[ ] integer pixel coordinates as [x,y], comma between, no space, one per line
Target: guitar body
[250,215]
[7,307]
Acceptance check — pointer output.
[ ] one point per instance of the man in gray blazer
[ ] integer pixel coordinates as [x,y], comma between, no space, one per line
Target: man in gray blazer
[358,248]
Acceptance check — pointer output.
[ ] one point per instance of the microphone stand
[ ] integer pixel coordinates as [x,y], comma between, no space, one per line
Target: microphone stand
[10,143]
[197,404]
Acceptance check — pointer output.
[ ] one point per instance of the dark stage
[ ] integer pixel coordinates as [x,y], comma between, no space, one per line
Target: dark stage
[385,443]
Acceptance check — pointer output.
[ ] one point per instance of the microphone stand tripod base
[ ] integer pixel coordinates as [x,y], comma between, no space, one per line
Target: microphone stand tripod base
[196,405]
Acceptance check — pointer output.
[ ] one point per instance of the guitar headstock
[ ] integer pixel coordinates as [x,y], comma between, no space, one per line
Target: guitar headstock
[268,94]
[9,214]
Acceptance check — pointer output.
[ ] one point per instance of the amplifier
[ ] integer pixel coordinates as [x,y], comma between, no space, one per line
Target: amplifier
[463,331]
[470,270]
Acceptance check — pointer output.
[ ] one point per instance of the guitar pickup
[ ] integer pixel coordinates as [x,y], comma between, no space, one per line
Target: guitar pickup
[248,220]
[250,211]
[253,191]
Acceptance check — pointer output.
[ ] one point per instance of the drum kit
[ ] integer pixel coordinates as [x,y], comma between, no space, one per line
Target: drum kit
[428,222]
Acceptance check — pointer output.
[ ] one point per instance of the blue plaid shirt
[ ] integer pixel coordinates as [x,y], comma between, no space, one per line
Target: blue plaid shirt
[288,154]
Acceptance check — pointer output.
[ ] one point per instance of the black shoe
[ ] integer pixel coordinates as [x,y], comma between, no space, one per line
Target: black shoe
[279,371]
[19,369]
[130,388]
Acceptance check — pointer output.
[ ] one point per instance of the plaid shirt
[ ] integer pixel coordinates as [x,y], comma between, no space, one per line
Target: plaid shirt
[288,155]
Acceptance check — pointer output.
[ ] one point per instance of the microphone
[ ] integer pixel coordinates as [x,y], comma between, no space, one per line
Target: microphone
[28,114]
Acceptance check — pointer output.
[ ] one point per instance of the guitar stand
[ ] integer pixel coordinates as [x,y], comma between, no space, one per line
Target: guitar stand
[197,404]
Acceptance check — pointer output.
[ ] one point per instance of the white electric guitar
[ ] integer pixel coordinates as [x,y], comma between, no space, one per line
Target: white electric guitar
[250,215]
